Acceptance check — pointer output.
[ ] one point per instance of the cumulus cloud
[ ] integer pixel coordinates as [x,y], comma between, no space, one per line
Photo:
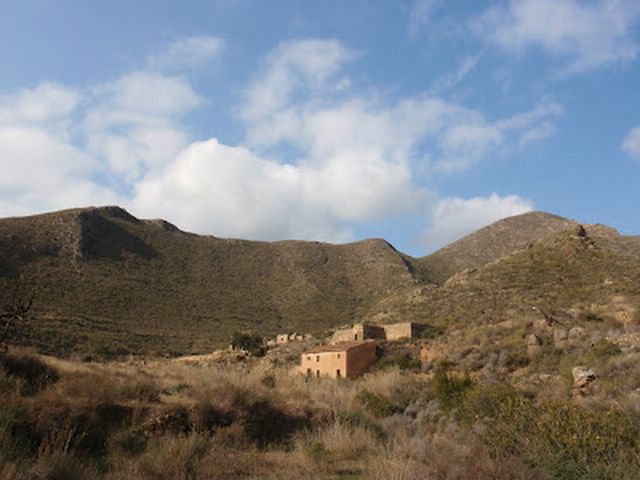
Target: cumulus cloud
[319,157]
[133,122]
[586,34]
[213,187]
[631,143]
[187,53]
[453,218]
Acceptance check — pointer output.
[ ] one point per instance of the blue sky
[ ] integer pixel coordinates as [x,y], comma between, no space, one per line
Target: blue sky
[416,121]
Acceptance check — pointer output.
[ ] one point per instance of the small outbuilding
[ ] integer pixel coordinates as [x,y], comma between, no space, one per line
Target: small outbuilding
[346,359]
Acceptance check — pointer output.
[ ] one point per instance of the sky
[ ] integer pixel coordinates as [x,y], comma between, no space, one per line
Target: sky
[415,121]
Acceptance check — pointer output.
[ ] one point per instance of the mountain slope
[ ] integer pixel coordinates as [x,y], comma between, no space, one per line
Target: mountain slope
[579,269]
[490,243]
[108,282]
[104,266]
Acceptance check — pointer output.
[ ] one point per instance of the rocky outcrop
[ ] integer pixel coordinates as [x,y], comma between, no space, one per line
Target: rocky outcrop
[582,377]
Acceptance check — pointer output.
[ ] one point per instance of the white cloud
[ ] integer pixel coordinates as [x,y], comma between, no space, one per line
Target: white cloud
[631,143]
[586,34]
[133,123]
[42,172]
[453,218]
[141,97]
[351,157]
[307,64]
[44,103]
[212,187]
[187,53]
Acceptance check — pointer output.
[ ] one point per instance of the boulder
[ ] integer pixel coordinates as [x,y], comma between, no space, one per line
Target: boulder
[582,376]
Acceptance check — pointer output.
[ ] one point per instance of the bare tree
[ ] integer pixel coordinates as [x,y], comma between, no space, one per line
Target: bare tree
[16,303]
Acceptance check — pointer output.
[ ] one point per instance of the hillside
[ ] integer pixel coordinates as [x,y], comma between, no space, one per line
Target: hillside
[490,243]
[141,284]
[110,283]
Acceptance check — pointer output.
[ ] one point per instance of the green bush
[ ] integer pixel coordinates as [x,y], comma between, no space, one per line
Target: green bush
[403,360]
[251,343]
[378,405]
[354,419]
[429,332]
[484,401]
[450,389]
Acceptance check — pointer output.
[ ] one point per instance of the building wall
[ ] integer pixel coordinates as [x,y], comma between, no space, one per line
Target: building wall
[358,333]
[360,358]
[282,338]
[396,331]
[363,331]
[344,335]
[324,364]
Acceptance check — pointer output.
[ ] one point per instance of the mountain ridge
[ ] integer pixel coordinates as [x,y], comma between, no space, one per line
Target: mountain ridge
[139,284]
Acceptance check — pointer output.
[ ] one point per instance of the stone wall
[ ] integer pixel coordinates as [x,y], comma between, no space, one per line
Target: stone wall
[360,358]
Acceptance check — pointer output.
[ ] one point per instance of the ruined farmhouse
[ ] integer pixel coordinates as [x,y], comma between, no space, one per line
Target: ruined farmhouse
[364,331]
[347,359]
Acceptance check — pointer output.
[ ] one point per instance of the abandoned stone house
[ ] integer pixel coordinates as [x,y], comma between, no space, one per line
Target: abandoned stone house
[364,331]
[348,359]
[289,337]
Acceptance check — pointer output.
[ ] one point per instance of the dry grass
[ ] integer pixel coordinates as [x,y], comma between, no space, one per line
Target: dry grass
[173,420]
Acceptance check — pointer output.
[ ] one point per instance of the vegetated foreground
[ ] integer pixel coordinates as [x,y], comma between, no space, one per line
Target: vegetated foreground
[218,417]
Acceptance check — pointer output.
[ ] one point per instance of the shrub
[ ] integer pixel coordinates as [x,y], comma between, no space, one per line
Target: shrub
[34,373]
[204,417]
[248,342]
[567,440]
[450,389]
[355,419]
[128,443]
[267,425]
[429,332]
[484,401]
[377,405]
[407,362]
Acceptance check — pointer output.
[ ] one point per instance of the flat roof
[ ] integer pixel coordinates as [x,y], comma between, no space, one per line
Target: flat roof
[337,347]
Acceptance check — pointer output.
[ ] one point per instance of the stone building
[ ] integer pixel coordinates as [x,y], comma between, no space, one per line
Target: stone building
[347,359]
[397,331]
[364,331]
[357,333]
